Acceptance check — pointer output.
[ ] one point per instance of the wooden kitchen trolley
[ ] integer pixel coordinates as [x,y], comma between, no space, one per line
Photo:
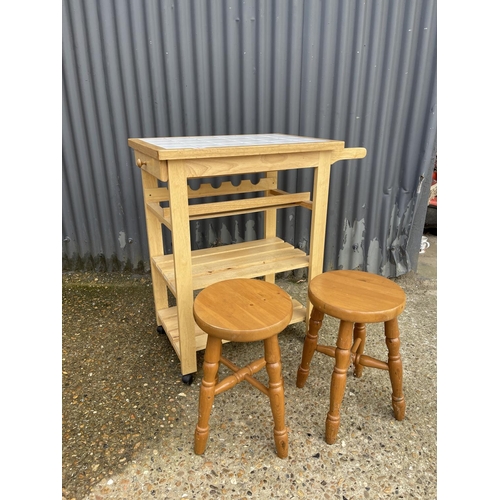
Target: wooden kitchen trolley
[167,163]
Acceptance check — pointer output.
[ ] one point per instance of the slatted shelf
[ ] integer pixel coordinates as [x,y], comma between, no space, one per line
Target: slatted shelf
[245,260]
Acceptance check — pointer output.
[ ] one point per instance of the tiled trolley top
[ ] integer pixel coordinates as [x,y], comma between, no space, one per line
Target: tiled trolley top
[219,146]
[223,141]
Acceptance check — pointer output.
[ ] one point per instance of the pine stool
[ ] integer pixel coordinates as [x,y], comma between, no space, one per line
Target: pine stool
[242,310]
[355,298]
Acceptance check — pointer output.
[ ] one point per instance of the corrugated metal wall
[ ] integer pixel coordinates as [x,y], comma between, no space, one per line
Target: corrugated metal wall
[359,71]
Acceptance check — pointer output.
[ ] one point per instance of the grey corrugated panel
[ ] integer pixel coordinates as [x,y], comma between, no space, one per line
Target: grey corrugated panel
[362,72]
[374,195]
[100,179]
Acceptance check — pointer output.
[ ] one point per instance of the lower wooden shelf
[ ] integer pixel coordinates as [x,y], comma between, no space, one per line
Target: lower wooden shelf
[168,319]
[250,259]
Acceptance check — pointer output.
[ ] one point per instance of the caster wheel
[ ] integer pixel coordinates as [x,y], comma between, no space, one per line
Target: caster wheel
[188,379]
[160,330]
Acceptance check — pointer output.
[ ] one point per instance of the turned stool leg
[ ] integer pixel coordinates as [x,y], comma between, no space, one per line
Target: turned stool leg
[276,394]
[359,333]
[339,377]
[395,368]
[310,343]
[207,392]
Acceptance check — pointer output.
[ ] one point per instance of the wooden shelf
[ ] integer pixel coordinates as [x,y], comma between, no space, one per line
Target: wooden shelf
[169,321]
[244,260]
[276,199]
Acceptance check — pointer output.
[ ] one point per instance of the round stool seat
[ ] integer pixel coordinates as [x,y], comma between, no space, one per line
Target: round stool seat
[357,296]
[243,310]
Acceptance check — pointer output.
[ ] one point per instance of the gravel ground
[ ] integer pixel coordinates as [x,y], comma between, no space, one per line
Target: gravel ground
[128,420]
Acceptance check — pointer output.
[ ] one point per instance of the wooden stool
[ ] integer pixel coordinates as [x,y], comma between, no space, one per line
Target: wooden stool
[356,298]
[242,310]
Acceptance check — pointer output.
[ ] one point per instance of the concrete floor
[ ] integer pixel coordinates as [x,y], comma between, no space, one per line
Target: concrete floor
[128,420]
